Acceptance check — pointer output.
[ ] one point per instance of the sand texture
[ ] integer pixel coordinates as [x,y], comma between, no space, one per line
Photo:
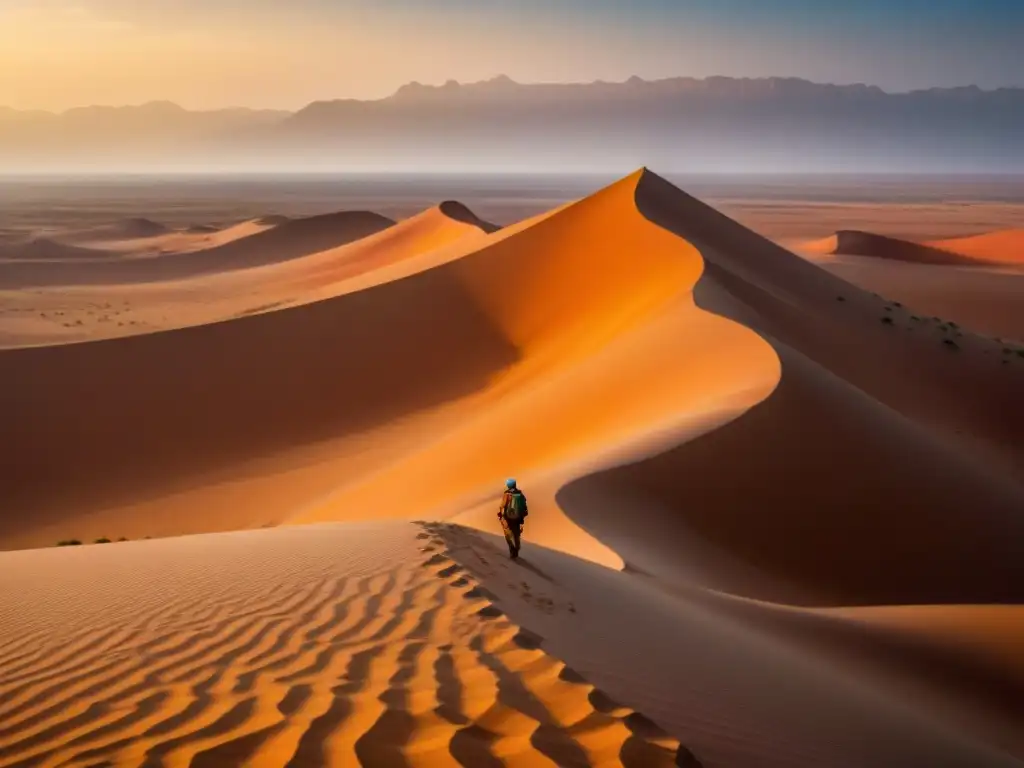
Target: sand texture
[776,518]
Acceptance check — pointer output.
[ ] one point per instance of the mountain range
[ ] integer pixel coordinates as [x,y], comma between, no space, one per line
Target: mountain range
[680,124]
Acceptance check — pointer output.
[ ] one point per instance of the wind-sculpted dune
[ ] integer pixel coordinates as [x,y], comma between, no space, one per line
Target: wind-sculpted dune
[264,245]
[768,509]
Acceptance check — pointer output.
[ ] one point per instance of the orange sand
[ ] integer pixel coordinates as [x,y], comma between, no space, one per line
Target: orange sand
[741,470]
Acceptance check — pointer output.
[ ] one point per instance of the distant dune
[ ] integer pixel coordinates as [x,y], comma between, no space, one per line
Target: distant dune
[45,249]
[139,227]
[775,513]
[855,243]
[272,220]
[966,280]
[1003,247]
[255,245]
[993,248]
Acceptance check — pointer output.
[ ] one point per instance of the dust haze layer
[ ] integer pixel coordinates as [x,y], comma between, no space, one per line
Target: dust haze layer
[677,124]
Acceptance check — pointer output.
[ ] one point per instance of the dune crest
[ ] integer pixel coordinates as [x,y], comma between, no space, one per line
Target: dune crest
[1005,247]
[744,474]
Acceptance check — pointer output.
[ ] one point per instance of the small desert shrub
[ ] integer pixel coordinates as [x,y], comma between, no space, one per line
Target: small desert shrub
[840,298]
[102,540]
[887,320]
[888,309]
[123,539]
[915,318]
[69,543]
[896,303]
[953,325]
[950,343]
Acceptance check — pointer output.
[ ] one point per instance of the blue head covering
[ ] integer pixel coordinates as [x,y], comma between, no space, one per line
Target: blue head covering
[510,483]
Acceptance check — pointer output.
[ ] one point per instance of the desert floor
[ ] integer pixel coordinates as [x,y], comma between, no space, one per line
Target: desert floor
[773,452]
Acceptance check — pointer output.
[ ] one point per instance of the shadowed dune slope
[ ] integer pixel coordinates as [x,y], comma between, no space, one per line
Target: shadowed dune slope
[139,227]
[851,242]
[588,296]
[114,417]
[44,249]
[290,240]
[850,479]
[1005,247]
[984,299]
[456,210]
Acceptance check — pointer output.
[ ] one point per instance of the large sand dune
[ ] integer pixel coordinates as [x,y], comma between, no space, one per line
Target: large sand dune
[772,472]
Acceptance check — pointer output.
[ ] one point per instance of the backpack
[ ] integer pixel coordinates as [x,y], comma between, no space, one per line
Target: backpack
[515,510]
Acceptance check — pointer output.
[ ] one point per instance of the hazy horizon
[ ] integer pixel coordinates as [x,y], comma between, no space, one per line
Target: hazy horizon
[451,80]
[199,55]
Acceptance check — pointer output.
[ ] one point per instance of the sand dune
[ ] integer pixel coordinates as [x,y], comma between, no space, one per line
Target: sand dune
[856,243]
[984,299]
[361,643]
[260,245]
[194,238]
[763,464]
[139,227]
[971,280]
[401,644]
[273,382]
[61,314]
[44,249]
[1003,247]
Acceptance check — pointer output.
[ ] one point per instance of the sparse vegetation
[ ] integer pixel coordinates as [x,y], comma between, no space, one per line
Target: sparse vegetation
[950,343]
[102,540]
[915,318]
[887,320]
[69,543]
[896,303]
[840,298]
[888,309]
[123,539]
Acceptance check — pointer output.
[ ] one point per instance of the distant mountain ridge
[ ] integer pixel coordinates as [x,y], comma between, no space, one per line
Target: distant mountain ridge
[678,123]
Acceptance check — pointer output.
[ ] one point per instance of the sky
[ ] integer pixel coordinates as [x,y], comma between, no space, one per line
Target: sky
[204,54]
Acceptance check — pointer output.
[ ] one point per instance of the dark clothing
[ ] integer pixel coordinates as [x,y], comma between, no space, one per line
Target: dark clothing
[513,539]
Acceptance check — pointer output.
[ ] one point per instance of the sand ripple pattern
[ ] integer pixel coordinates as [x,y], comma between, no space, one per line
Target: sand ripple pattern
[320,651]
